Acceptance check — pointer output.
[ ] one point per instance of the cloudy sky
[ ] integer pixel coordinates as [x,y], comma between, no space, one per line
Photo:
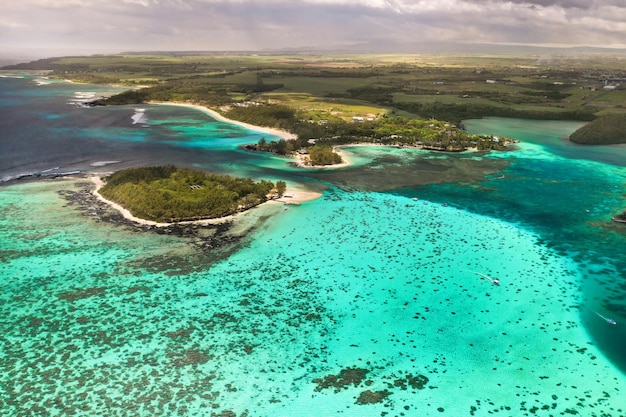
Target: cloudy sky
[94,26]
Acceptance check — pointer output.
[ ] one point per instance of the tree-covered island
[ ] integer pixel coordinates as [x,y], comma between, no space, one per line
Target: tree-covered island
[172,194]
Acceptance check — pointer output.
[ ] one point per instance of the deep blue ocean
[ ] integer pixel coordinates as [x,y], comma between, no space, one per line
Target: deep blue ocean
[370,300]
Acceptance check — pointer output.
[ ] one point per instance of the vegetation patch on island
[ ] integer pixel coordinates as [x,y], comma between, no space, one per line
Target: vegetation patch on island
[386,130]
[605,130]
[172,194]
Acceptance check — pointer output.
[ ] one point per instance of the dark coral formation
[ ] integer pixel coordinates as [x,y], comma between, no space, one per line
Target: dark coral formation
[345,378]
[372,397]
[355,377]
[417,382]
[189,357]
[81,293]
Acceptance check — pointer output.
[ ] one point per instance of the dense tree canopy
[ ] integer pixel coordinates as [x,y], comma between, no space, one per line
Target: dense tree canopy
[275,115]
[605,130]
[323,155]
[170,194]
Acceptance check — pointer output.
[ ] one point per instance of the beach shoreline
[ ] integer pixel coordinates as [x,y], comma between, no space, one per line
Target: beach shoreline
[295,196]
[283,134]
[301,161]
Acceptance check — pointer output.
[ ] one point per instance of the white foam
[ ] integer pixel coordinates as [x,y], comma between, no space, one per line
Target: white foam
[84,95]
[139,116]
[103,163]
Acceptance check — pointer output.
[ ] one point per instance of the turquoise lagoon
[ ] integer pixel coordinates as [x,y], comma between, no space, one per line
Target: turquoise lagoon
[374,292]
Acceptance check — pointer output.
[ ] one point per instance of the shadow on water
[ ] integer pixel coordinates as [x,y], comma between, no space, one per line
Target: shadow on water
[587,237]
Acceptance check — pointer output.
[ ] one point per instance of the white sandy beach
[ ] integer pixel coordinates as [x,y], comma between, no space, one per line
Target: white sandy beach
[294,195]
[270,131]
[300,160]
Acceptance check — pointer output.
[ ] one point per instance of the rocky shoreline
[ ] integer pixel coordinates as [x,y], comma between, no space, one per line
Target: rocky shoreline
[206,237]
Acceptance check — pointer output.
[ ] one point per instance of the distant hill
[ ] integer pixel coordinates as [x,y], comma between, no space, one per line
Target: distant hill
[39,64]
[22,62]
[5,62]
[455,48]
[605,130]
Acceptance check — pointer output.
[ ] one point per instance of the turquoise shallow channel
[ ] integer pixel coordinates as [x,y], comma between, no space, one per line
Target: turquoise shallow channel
[375,299]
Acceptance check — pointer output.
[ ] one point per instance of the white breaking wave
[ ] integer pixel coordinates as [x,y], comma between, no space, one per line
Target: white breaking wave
[139,116]
[103,163]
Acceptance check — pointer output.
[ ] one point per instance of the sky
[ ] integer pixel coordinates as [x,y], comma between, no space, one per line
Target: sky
[57,27]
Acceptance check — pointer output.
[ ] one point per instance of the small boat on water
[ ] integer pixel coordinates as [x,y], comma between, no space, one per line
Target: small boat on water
[607,319]
[494,281]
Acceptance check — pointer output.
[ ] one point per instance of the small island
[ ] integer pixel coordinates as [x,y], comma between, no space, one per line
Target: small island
[172,194]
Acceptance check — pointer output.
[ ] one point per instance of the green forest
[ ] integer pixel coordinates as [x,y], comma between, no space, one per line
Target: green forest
[349,98]
[172,194]
[323,155]
[387,130]
[605,130]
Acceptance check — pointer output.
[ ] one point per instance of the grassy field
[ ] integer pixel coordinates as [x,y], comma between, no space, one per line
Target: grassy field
[360,85]
[317,109]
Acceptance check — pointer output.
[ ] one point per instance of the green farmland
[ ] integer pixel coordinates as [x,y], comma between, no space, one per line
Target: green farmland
[339,87]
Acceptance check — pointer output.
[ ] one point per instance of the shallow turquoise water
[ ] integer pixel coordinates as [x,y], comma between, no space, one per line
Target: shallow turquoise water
[100,319]
[95,324]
